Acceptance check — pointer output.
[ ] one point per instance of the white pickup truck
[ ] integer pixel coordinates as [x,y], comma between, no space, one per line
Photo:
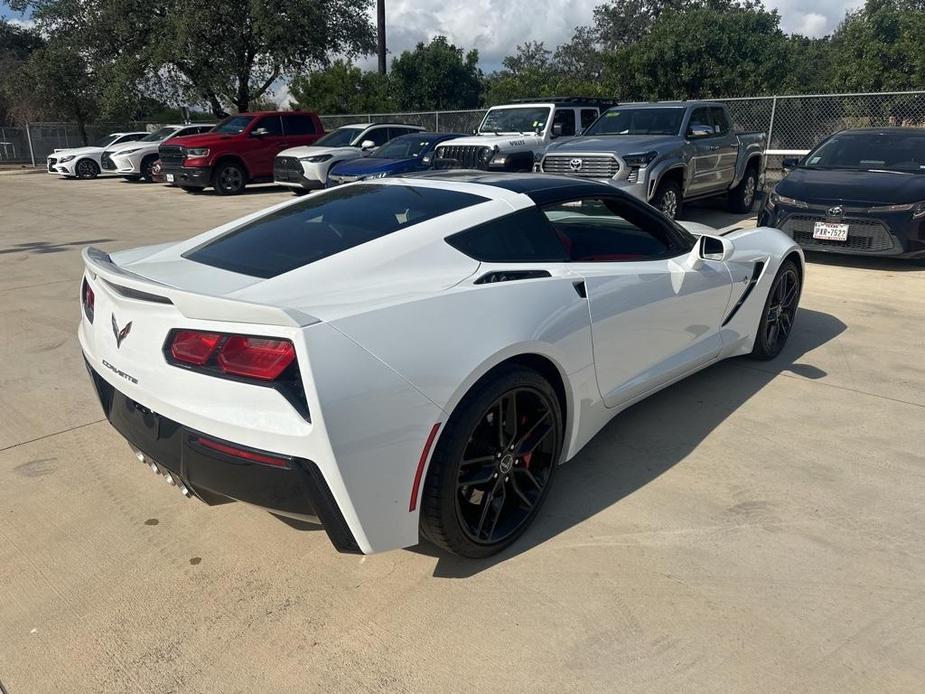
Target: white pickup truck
[512,136]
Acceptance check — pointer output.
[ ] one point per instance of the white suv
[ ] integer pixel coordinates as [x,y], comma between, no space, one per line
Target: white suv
[135,160]
[307,167]
[84,162]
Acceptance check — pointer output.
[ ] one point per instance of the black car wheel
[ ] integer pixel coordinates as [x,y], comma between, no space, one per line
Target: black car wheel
[147,168]
[229,179]
[493,465]
[87,168]
[779,313]
[742,197]
[668,198]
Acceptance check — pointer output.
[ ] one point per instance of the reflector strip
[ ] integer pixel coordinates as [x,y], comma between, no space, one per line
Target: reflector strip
[245,454]
[420,471]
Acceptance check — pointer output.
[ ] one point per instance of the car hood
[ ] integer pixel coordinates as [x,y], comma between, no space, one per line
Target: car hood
[618,144]
[313,151]
[846,187]
[501,142]
[201,140]
[371,165]
[76,151]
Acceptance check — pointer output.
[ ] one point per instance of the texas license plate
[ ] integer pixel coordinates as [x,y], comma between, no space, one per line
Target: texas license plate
[830,232]
[169,178]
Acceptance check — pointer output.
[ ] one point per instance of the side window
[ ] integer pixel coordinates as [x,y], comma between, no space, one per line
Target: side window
[298,124]
[700,118]
[565,117]
[132,137]
[603,230]
[721,120]
[397,132]
[379,136]
[588,116]
[521,237]
[272,123]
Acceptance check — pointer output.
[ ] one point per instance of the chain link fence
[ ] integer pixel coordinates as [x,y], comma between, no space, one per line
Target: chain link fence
[794,123]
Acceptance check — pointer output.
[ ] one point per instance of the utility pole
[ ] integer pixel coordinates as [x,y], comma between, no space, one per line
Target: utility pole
[380,19]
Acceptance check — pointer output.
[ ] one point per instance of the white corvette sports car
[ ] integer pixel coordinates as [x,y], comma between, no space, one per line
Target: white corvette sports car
[417,355]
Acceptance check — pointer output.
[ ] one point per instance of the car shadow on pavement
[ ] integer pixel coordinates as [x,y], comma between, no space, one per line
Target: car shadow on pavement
[714,212]
[644,441]
[42,247]
[866,262]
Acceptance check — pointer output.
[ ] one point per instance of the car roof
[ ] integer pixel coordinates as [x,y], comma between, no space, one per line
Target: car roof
[893,130]
[666,104]
[541,188]
[428,134]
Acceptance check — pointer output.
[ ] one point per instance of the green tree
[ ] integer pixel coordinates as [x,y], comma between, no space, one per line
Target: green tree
[879,47]
[17,44]
[703,52]
[436,75]
[207,51]
[341,88]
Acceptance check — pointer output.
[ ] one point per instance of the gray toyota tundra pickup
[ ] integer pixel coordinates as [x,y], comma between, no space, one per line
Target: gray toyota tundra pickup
[665,153]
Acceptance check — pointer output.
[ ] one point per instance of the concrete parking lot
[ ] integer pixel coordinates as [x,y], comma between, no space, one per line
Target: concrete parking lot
[756,528]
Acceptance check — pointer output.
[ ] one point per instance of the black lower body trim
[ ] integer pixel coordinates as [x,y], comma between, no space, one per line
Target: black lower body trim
[298,490]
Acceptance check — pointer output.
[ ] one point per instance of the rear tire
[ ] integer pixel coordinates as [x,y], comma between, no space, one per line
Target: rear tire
[493,464]
[229,179]
[669,199]
[742,197]
[86,169]
[779,312]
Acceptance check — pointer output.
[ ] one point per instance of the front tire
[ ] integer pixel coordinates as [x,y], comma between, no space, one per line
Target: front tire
[742,197]
[779,313]
[229,179]
[493,464]
[147,169]
[86,169]
[669,199]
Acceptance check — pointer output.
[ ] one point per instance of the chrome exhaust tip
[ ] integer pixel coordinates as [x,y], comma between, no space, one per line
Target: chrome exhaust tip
[184,491]
[169,478]
[138,454]
[154,468]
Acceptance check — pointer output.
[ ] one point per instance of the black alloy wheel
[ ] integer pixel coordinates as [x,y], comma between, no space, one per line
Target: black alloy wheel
[779,313]
[87,168]
[229,179]
[493,465]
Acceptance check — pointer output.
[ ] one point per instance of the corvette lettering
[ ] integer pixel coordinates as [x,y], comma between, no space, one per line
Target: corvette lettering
[120,372]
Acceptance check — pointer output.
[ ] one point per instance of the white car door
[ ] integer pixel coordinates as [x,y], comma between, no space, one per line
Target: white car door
[655,315]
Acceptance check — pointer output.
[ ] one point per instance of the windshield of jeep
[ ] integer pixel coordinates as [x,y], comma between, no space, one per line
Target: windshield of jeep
[526,119]
[638,121]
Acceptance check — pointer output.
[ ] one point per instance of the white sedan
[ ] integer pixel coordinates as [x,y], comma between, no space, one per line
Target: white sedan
[415,356]
[84,162]
[136,160]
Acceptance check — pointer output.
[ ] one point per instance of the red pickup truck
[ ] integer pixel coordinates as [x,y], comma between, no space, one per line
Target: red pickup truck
[237,151]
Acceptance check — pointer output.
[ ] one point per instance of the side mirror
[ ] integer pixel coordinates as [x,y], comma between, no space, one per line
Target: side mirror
[697,131]
[367,144]
[715,248]
[259,132]
[557,129]
[790,163]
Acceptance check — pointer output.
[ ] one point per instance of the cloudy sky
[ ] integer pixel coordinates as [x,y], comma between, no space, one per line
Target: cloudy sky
[495,27]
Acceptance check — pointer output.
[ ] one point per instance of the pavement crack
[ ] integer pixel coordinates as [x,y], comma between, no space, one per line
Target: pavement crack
[48,436]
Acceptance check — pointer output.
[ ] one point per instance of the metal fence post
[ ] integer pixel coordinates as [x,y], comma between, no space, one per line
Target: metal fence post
[767,145]
[31,151]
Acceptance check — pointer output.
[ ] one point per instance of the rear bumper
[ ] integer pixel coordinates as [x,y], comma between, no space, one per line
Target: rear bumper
[298,490]
[190,177]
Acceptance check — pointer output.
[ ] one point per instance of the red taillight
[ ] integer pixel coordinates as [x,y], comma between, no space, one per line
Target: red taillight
[242,453]
[193,347]
[88,299]
[255,357]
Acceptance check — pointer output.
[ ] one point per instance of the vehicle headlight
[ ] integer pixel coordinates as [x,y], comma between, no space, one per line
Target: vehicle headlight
[640,160]
[197,152]
[64,160]
[487,153]
[499,159]
[917,208]
[317,158]
[776,198]
[126,151]
[378,175]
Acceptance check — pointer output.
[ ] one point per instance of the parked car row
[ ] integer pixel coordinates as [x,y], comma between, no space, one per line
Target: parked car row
[860,191]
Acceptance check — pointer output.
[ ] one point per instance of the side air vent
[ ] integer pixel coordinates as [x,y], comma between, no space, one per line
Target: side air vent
[753,280]
[130,293]
[510,276]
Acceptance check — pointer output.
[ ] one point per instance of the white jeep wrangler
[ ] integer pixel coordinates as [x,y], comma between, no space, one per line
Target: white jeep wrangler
[512,136]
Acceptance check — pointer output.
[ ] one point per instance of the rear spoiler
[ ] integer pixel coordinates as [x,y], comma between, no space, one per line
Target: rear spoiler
[192,304]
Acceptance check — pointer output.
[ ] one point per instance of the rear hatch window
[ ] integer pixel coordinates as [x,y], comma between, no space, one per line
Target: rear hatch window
[325,224]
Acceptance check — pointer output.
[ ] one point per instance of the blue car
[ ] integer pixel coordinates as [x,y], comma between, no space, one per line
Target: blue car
[404,154]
